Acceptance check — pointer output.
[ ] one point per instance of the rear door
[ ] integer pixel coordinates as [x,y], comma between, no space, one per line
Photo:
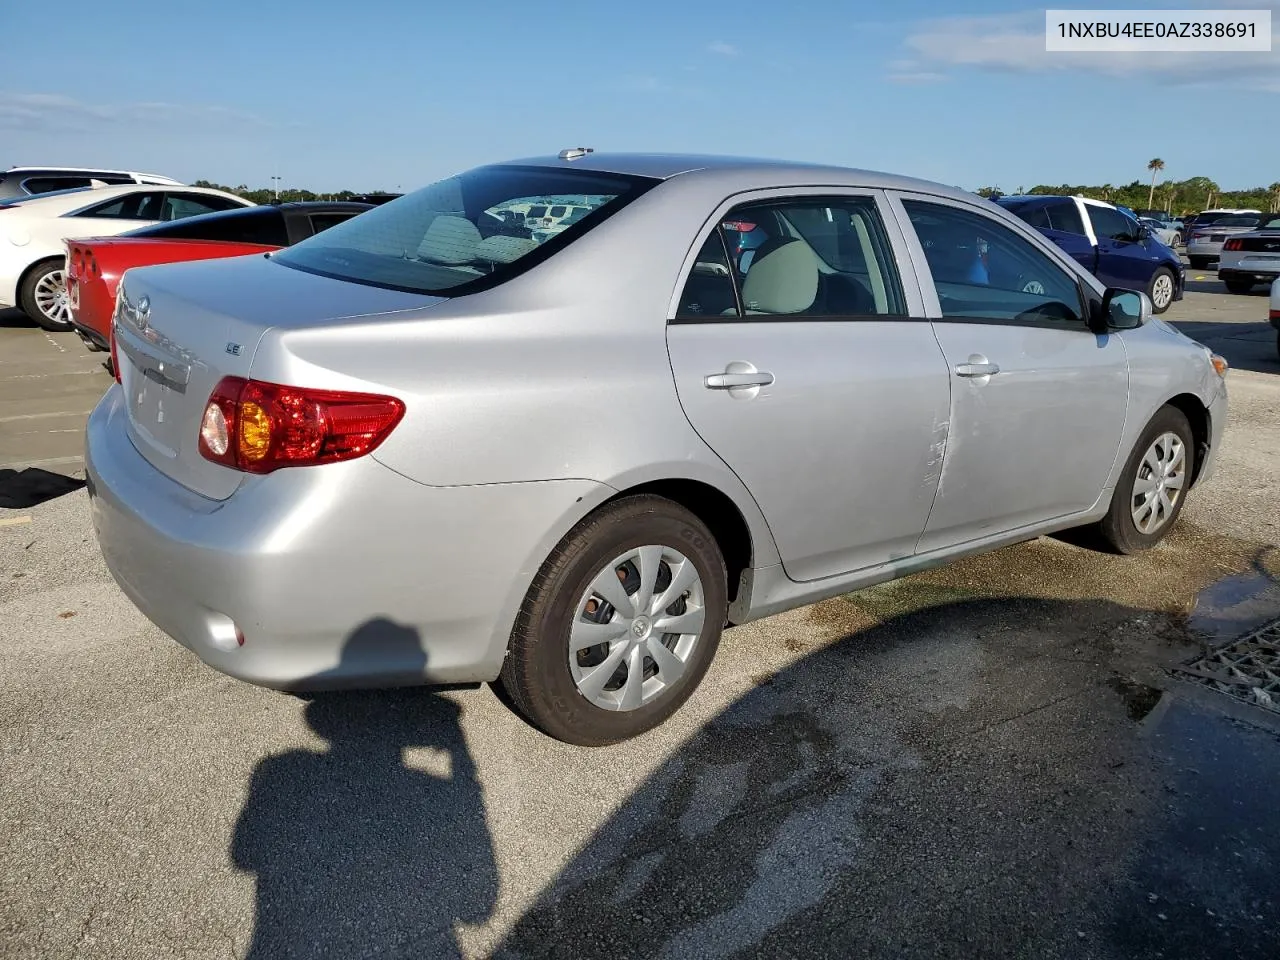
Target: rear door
[811,372]
[1038,402]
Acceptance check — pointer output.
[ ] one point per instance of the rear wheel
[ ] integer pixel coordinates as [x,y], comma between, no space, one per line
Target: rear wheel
[1153,486]
[43,296]
[1160,289]
[620,625]
[1239,286]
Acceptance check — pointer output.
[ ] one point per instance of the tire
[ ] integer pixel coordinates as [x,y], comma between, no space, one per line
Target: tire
[1238,286]
[1200,263]
[538,675]
[1118,528]
[1163,285]
[1177,240]
[34,290]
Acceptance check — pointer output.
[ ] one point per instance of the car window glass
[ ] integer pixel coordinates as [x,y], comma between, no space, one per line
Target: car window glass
[49,184]
[1065,216]
[982,270]
[468,232]
[323,221]
[709,290]
[1239,220]
[1109,223]
[180,205]
[121,208]
[813,257]
[1037,215]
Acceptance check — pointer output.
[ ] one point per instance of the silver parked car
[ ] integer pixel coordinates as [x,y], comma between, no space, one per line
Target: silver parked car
[424,447]
[1204,244]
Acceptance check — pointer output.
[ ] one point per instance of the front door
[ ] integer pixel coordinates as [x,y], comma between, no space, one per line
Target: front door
[812,373]
[1038,402]
[1126,258]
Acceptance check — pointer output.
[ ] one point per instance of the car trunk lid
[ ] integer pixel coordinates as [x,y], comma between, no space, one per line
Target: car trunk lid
[181,328]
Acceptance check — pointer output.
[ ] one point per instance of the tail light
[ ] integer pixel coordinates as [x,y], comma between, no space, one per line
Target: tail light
[1233,244]
[1275,315]
[259,427]
[740,225]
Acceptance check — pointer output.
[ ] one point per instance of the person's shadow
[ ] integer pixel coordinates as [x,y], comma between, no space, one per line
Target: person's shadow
[356,853]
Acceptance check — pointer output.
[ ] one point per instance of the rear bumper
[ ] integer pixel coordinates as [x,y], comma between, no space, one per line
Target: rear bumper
[1259,273]
[1212,250]
[347,575]
[89,333]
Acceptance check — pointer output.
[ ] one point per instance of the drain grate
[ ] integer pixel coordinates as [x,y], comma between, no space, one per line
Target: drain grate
[1247,669]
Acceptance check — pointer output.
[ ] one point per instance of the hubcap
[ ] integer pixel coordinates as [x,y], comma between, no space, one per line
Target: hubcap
[635,628]
[1159,483]
[51,297]
[1162,292]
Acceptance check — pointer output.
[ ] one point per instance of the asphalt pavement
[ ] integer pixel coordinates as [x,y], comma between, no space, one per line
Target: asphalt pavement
[1001,758]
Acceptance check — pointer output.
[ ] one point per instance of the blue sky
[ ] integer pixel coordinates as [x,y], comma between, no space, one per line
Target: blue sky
[387,94]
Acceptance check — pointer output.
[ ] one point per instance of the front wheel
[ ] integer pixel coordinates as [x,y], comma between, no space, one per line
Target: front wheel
[620,625]
[1160,290]
[43,296]
[1152,488]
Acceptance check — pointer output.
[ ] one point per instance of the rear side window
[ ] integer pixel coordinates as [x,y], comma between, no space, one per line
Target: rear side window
[180,205]
[133,206]
[816,257]
[985,272]
[454,236]
[323,221]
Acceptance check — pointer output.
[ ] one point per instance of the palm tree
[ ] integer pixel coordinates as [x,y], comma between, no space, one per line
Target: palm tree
[1106,191]
[1275,197]
[1155,166]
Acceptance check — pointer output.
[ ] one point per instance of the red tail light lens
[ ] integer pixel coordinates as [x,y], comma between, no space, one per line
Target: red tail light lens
[259,427]
[741,226]
[1233,244]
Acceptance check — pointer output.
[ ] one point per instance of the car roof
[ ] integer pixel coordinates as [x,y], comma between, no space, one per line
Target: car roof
[88,197]
[88,170]
[742,172]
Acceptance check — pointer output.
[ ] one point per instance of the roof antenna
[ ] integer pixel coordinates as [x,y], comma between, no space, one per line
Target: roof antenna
[574,153]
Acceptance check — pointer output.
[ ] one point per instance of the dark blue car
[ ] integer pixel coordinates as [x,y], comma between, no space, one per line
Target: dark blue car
[1111,244]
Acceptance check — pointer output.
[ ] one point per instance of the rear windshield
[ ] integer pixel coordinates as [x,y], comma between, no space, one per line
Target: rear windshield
[456,236]
[1238,220]
[263,225]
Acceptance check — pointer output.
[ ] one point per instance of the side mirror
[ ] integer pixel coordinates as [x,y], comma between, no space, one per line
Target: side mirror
[1121,310]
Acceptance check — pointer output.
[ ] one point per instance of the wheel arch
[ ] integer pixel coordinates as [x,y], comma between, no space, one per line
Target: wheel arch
[32,268]
[722,515]
[1201,422]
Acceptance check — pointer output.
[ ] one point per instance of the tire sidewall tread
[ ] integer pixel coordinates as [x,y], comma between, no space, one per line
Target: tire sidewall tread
[535,673]
[1117,527]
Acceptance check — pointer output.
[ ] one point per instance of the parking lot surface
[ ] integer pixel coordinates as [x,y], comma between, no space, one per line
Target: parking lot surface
[998,758]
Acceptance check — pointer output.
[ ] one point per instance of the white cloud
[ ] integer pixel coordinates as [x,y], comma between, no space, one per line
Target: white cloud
[1016,43]
[55,111]
[724,49]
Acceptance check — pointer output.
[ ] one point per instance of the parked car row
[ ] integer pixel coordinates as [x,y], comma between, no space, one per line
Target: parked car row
[432,444]
[95,265]
[34,230]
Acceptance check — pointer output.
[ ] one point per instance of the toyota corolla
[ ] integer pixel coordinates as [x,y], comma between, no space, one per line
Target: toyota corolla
[427,446]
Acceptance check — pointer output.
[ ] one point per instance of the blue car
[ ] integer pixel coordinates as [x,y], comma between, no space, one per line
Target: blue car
[1111,244]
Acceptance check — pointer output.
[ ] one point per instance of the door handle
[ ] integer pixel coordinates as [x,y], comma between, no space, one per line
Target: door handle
[727,381]
[976,369]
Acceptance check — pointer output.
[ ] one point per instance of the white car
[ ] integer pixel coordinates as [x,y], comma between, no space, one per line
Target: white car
[1169,236]
[32,231]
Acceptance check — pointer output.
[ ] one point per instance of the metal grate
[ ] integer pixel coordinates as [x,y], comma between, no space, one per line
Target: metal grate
[1247,669]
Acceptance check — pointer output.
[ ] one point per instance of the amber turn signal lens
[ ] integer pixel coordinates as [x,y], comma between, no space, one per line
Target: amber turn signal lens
[1219,364]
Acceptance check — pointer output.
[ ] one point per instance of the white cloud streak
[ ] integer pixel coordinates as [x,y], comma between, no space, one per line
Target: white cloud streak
[55,111]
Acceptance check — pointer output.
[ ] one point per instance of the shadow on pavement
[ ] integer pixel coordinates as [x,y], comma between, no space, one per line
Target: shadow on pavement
[357,853]
[1246,346]
[16,318]
[971,779]
[20,489]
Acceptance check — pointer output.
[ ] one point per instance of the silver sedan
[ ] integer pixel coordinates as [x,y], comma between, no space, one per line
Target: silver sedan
[425,446]
[1204,244]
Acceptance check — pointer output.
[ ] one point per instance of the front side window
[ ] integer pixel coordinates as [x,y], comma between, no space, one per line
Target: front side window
[802,258]
[456,236]
[985,272]
[1111,224]
[178,206]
